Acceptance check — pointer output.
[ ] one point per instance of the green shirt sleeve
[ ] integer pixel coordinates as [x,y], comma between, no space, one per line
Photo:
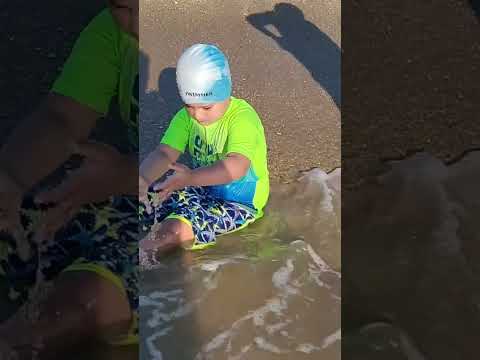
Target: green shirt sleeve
[178,132]
[90,74]
[243,136]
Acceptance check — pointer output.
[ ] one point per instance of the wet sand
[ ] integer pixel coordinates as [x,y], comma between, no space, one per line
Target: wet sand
[410,73]
[293,81]
[37,37]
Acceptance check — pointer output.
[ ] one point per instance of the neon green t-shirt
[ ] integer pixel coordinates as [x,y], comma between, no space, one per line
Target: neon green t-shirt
[239,130]
[103,64]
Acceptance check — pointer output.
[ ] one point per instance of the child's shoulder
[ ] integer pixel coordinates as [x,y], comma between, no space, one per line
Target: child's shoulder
[101,37]
[242,108]
[240,103]
[244,118]
[103,23]
[182,116]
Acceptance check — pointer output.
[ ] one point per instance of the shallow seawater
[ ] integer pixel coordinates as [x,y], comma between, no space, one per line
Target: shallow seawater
[412,254]
[271,291]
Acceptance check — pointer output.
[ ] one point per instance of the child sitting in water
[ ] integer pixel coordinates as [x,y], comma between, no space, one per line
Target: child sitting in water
[228,186]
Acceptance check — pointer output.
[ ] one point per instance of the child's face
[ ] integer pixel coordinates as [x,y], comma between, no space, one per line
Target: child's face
[207,114]
[125,13]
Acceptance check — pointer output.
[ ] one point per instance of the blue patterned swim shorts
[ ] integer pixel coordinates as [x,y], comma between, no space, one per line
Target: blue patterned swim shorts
[208,216]
[102,238]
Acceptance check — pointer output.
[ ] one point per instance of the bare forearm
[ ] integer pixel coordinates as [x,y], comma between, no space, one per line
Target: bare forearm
[45,139]
[222,172]
[233,167]
[156,164]
[36,147]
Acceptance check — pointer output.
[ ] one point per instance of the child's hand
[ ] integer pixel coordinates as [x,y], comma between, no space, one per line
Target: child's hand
[181,178]
[99,177]
[143,193]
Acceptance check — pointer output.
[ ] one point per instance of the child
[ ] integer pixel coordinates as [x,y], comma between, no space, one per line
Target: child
[89,243]
[228,186]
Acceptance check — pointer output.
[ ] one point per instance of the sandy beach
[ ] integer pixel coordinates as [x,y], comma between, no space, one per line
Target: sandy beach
[290,73]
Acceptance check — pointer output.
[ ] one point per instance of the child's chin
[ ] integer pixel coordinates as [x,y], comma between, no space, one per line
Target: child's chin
[205,122]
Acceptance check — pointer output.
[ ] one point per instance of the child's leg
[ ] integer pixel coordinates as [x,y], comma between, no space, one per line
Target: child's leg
[82,305]
[194,215]
[94,261]
[172,233]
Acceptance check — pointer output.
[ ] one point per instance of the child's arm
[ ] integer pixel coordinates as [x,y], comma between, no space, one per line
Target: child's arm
[157,163]
[232,168]
[46,139]
[36,147]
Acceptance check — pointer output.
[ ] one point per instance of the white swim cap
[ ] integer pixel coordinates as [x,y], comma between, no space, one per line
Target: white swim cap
[203,75]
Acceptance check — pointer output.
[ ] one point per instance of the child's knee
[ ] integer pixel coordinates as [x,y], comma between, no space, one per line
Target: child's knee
[100,300]
[176,230]
[172,233]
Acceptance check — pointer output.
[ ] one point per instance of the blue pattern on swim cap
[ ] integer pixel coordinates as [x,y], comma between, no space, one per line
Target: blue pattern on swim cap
[203,75]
